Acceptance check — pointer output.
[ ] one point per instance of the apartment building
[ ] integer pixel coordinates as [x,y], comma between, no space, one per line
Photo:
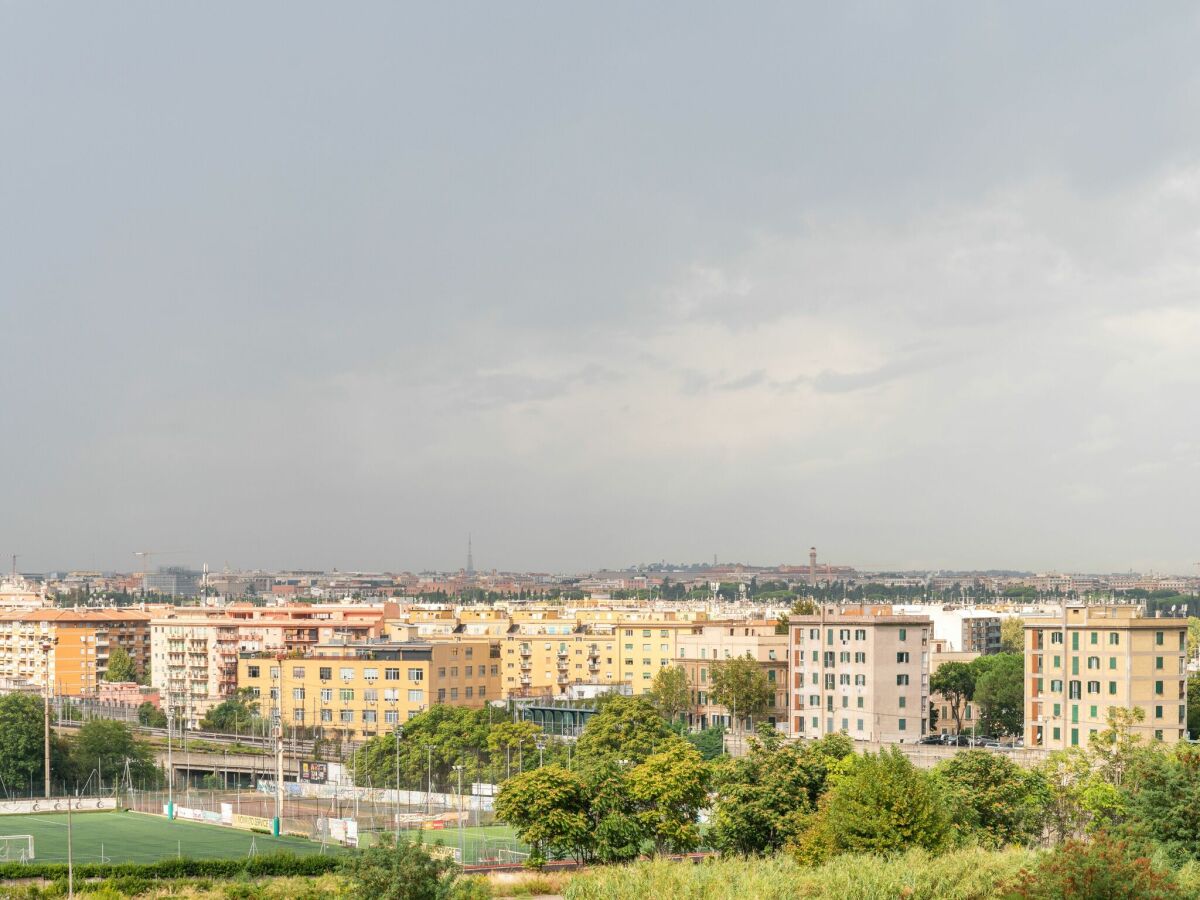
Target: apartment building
[193,662]
[1089,659]
[703,645]
[358,691]
[863,671]
[68,649]
[964,629]
[543,654]
[300,627]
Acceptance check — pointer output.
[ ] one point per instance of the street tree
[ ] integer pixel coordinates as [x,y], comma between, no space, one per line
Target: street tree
[22,742]
[105,746]
[955,681]
[120,666]
[1012,635]
[548,808]
[741,686]
[1000,692]
[1005,803]
[670,693]
[625,730]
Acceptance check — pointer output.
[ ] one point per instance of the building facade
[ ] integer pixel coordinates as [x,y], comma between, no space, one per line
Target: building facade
[704,645]
[1094,658]
[860,671]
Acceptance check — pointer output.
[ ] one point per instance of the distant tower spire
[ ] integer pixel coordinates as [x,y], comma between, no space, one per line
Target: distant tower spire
[470,557]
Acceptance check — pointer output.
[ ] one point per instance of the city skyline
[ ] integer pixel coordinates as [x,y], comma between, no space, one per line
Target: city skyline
[335,288]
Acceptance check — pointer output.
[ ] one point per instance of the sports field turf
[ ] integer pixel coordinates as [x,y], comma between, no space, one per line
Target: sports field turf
[483,843]
[136,837]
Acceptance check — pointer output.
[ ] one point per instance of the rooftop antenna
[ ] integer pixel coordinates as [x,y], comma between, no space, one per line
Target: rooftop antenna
[470,556]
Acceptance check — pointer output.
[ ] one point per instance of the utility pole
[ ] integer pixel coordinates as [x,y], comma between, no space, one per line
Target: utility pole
[170,762]
[399,732]
[278,778]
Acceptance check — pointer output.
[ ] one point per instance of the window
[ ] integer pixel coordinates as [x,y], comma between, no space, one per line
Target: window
[904,634]
[844,679]
[1075,690]
[274,671]
[1093,662]
[1056,685]
[416,674]
[1074,665]
[860,657]
[327,715]
[298,693]
[860,703]
[369,717]
[346,673]
[859,725]
[1056,637]
[902,657]
[391,674]
[391,716]
[1112,662]
[903,702]
[326,695]
[253,672]
[1158,662]
[1158,712]
[1112,687]
[346,715]
[901,679]
[1114,638]
[298,672]
[1095,637]
[1158,687]
[391,695]
[1158,638]
[860,680]
[346,694]
[860,634]
[441,695]
[844,656]
[901,724]
[325,672]
[1092,711]
[1074,640]
[371,695]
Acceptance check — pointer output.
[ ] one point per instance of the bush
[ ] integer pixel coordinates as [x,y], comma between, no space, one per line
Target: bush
[1103,868]
[273,864]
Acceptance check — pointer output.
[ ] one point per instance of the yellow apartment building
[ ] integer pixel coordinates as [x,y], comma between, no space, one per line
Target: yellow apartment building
[703,644]
[1091,658]
[77,645]
[358,691]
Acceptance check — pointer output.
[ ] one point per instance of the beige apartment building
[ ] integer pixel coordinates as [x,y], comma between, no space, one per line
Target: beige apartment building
[702,645]
[1092,658]
[942,719]
[360,691]
[862,671]
[67,650]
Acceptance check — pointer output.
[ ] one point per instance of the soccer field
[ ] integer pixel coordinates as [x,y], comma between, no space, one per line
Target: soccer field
[136,837]
[487,844]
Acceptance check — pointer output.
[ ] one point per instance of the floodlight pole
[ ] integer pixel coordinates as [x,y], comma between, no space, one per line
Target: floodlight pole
[47,646]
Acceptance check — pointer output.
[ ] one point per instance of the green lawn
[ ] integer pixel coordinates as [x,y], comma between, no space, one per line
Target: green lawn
[481,843]
[136,837]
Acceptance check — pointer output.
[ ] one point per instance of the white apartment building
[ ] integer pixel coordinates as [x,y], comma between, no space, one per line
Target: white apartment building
[194,663]
[863,671]
[964,629]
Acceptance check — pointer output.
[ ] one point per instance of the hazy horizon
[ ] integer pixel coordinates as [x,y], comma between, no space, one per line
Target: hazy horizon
[292,285]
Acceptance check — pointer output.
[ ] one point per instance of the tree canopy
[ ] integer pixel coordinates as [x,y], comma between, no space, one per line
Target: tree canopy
[741,686]
[120,666]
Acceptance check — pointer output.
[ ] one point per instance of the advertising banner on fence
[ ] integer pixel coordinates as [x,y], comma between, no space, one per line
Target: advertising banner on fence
[250,823]
[79,804]
[197,815]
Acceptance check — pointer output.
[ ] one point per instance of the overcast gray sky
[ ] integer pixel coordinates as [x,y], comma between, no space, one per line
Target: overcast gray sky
[312,284]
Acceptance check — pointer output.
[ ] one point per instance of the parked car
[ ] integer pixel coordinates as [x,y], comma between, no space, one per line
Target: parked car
[931,739]
[956,740]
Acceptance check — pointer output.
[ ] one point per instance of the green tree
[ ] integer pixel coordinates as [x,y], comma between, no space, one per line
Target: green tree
[625,730]
[1078,800]
[1115,749]
[151,716]
[710,742]
[883,805]
[232,715]
[1005,803]
[670,693]
[1164,799]
[1193,636]
[1000,692]
[669,789]
[804,606]
[548,808]
[120,666]
[1012,635]
[22,742]
[741,686]
[764,799]
[955,681]
[103,746]
[403,871]
[507,744]
[438,739]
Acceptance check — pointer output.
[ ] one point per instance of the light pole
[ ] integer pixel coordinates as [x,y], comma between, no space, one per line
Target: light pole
[462,850]
[399,733]
[540,741]
[429,782]
[47,646]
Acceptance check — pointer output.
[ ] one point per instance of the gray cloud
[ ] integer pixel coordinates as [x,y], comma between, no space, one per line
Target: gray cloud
[333,288]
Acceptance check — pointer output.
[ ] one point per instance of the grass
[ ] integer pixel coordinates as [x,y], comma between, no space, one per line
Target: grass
[135,837]
[960,875]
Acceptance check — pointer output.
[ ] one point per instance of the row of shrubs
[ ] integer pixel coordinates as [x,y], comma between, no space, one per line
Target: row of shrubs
[271,864]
